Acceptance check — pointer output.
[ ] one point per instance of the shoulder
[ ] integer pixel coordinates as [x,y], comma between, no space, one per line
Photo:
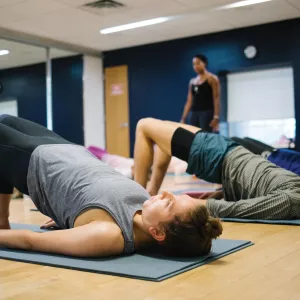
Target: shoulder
[117,238]
[110,237]
[193,81]
[212,78]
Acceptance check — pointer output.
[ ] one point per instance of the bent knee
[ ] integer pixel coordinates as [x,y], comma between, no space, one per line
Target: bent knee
[146,123]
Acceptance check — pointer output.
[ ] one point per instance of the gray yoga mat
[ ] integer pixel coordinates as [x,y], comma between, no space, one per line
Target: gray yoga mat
[275,222]
[147,266]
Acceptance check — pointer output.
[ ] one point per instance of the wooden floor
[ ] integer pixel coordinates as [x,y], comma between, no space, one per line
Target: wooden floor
[268,270]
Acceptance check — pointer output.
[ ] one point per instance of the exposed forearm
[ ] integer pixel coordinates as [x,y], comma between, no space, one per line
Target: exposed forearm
[16,239]
[186,111]
[156,180]
[216,95]
[143,158]
[159,170]
[217,105]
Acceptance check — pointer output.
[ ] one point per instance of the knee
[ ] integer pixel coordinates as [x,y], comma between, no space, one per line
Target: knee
[144,124]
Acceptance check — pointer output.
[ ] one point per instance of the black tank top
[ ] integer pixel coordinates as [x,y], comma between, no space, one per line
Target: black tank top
[202,97]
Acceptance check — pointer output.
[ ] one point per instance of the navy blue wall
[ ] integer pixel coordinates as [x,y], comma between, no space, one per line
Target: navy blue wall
[159,73]
[67,93]
[28,86]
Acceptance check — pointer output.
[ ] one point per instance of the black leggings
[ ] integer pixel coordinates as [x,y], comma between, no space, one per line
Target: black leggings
[254,146]
[18,139]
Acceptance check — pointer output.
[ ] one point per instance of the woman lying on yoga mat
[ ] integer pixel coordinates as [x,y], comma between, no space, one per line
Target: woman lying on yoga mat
[253,187]
[103,213]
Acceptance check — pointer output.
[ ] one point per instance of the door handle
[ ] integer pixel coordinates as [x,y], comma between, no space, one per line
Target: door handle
[123,125]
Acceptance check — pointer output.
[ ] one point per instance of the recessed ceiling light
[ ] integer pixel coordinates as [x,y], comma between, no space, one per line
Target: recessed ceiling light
[134,25]
[4,52]
[243,3]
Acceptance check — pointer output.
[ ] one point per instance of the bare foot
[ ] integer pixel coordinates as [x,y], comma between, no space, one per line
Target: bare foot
[4,224]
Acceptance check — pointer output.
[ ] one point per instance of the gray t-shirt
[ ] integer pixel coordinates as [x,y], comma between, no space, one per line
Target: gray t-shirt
[65,180]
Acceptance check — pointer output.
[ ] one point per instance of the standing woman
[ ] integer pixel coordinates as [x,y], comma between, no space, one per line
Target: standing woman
[203,97]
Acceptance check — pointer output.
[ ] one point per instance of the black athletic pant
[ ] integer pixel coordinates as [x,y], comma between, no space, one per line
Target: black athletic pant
[18,139]
[254,146]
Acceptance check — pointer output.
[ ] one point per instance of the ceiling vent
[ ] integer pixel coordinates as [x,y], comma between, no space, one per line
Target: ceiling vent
[104,4]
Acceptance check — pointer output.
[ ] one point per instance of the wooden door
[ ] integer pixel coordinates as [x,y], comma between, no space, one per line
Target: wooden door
[117,112]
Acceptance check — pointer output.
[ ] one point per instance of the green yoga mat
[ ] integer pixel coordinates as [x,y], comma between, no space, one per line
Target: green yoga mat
[146,266]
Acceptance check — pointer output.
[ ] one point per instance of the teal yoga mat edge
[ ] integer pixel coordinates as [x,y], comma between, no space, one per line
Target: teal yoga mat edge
[208,261]
[45,264]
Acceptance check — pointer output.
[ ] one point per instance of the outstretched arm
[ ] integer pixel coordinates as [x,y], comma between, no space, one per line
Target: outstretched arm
[216,87]
[187,106]
[91,240]
[274,206]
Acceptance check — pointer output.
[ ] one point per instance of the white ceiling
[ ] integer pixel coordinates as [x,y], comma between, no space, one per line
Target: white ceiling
[67,21]
[22,54]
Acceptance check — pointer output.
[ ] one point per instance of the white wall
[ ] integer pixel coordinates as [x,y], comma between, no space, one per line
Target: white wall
[261,95]
[93,102]
[9,107]
[261,105]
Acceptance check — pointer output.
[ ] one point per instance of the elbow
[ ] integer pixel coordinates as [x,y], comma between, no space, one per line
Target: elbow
[28,241]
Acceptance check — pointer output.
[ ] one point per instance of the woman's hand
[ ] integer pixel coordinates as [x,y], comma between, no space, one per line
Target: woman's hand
[49,224]
[214,124]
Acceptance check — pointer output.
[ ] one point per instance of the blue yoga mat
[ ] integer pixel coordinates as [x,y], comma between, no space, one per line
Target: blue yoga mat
[276,222]
[146,266]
